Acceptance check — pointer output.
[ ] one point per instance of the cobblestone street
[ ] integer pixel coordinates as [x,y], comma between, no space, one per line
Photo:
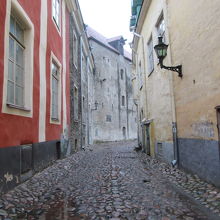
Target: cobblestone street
[106,181]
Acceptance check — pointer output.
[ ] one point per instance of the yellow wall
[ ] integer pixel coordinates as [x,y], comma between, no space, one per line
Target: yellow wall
[194,30]
[158,85]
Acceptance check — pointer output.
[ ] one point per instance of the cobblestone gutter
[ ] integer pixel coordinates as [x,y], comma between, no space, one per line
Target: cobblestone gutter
[191,186]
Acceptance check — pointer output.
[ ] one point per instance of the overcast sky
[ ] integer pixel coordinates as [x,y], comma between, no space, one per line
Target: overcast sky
[108,17]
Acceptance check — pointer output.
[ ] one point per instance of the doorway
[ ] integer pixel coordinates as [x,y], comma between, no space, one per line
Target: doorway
[148,139]
[218,121]
[124,132]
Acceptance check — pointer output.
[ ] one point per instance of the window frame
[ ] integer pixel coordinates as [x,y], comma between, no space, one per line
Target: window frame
[75,49]
[57,79]
[26,110]
[161,23]
[150,55]
[15,64]
[54,14]
[76,96]
[57,63]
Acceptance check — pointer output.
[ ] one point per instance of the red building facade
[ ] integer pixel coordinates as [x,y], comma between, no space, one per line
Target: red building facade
[34,86]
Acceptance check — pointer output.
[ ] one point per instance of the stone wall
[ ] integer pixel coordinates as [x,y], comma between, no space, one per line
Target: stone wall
[114,119]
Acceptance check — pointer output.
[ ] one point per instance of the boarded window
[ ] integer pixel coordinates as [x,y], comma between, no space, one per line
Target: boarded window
[15,84]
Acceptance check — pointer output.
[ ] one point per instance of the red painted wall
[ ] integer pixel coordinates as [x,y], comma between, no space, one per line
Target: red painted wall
[54,45]
[68,66]
[17,130]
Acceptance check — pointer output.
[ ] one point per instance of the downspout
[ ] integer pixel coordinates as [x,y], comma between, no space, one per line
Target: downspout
[88,89]
[127,107]
[175,161]
[81,124]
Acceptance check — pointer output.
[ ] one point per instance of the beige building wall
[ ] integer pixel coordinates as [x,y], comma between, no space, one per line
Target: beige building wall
[194,36]
[194,41]
[192,33]
[156,94]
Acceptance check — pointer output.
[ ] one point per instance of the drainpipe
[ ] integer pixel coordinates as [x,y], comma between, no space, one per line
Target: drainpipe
[87,118]
[175,161]
[81,72]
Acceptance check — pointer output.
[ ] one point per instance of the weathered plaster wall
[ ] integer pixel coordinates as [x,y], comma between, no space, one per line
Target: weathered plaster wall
[155,97]
[110,117]
[194,35]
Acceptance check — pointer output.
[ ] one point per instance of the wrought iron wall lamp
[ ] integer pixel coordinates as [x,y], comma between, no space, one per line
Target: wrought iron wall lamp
[161,51]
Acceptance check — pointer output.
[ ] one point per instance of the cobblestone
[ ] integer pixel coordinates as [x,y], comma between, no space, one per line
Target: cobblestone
[110,181]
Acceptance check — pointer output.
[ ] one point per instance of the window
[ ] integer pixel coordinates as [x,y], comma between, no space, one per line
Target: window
[150,55]
[18,62]
[161,27]
[76,144]
[75,49]
[55,91]
[124,132]
[83,109]
[108,118]
[123,101]
[96,132]
[76,103]
[15,84]
[122,74]
[56,12]
[140,75]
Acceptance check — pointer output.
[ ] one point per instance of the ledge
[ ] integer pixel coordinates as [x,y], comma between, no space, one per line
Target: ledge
[18,107]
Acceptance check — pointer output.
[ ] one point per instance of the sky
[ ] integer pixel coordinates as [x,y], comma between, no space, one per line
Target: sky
[108,17]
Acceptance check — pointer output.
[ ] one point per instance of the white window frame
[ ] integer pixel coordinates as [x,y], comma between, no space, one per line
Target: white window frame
[150,55]
[54,60]
[55,91]
[56,14]
[26,109]
[16,62]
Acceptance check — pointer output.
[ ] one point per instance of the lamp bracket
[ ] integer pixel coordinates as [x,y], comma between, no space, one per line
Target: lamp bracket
[177,69]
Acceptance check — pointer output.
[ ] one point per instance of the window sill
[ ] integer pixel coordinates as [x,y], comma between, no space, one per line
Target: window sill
[18,107]
[55,119]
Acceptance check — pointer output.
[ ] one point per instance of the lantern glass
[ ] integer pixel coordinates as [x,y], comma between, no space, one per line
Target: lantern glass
[161,49]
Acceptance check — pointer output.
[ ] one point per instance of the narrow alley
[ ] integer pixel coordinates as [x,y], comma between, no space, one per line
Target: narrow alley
[106,181]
